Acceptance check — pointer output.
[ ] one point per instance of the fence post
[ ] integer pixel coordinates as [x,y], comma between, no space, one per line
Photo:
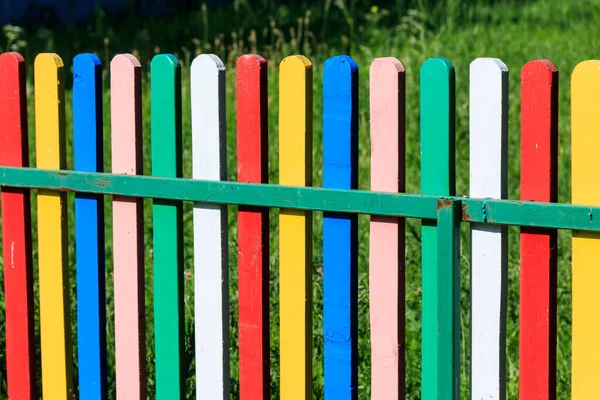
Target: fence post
[448,300]
[167,217]
[55,325]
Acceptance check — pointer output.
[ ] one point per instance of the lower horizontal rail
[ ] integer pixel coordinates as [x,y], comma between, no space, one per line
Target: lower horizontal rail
[486,211]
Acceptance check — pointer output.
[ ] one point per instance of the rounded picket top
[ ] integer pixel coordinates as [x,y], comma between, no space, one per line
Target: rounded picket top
[205,63]
[295,62]
[250,61]
[123,62]
[385,65]
[86,59]
[342,64]
[164,62]
[11,59]
[48,60]
[438,67]
[487,65]
[586,70]
[537,66]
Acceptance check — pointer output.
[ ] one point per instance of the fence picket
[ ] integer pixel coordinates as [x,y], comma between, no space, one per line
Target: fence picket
[169,328]
[340,231]
[211,265]
[16,233]
[55,326]
[585,142]
[440,349]
[386,242]
[253,229]
[128,223]
[295,229]
[539,176]
[89,229]
[488,126]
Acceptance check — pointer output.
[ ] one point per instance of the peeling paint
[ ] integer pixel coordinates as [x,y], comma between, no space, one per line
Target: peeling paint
[101,182]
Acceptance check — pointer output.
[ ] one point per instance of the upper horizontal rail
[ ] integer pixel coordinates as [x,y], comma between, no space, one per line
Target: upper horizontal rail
[223,192]
[487,211]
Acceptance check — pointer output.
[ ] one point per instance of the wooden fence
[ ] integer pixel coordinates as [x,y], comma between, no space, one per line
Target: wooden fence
[487,210]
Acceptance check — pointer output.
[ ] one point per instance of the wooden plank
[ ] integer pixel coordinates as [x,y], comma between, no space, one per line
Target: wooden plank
[89,229]
[169,317]
[16,233]
[488,125]
[295,229]
[448,294]
[128,235]
[340,231]
[539,176]
[55,326]
[253,229]
[211,266]
[437,178]
[585,140]
[386,242]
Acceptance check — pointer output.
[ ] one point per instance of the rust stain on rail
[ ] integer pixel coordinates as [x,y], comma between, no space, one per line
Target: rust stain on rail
[465,213]
[444,203]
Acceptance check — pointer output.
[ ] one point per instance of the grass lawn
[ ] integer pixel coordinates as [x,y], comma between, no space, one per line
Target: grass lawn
[563,31]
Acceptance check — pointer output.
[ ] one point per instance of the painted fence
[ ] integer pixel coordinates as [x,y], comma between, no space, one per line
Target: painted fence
[441,210]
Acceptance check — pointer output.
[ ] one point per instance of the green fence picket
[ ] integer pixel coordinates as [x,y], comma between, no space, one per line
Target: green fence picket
[437,178]
[169,328]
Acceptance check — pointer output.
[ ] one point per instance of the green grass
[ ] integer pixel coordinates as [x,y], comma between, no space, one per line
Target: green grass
[562,31]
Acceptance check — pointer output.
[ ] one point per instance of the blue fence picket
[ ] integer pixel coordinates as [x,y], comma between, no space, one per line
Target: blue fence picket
[340,235]
[89,229]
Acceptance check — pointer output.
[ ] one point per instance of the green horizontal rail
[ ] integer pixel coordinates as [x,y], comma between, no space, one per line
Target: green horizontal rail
[488,211]
[223,192]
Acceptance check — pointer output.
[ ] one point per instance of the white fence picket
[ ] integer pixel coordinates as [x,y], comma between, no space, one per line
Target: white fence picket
[488,125]
[210,230]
